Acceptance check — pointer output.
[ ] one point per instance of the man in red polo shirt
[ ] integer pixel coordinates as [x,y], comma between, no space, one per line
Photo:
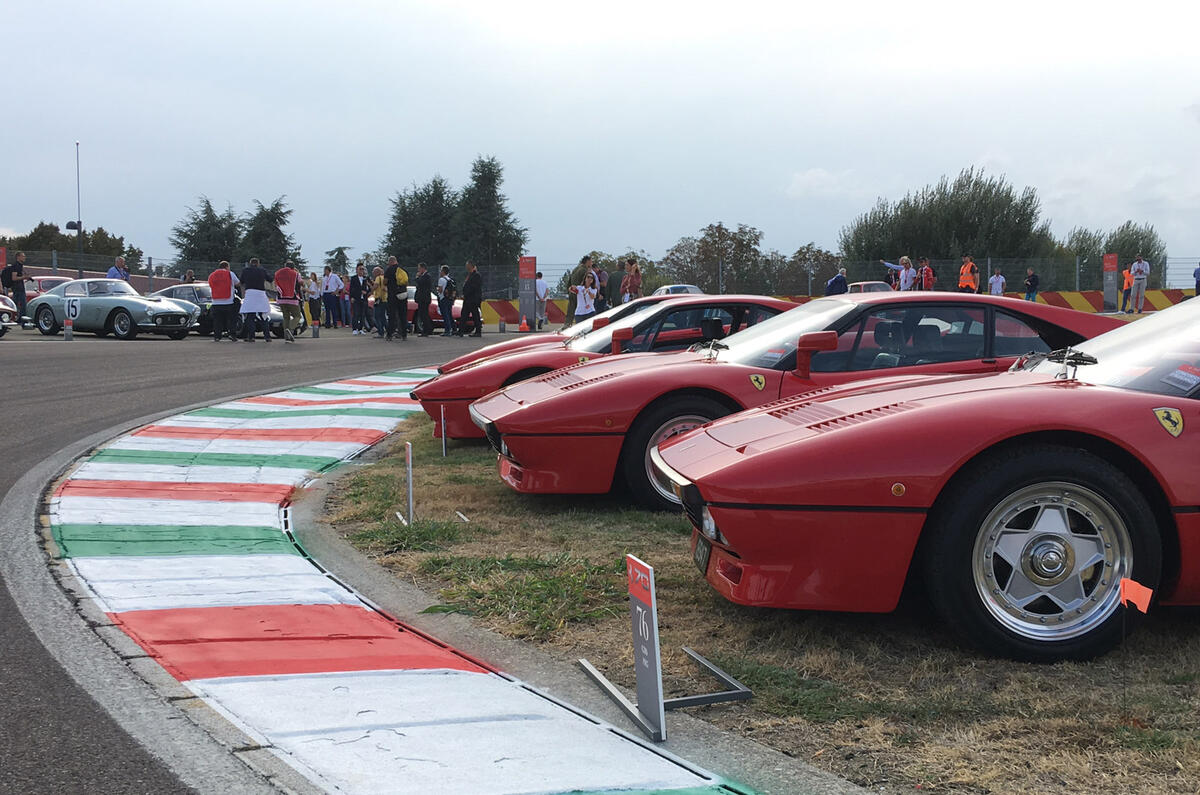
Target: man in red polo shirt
[287,280]
[221,282]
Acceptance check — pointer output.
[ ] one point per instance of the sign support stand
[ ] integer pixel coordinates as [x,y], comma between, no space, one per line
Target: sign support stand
[649,711]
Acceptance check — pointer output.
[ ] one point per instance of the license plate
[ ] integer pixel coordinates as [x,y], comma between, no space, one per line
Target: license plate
[701,553]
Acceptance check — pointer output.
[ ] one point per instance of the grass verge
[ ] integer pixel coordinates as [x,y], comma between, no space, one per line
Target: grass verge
[891,702]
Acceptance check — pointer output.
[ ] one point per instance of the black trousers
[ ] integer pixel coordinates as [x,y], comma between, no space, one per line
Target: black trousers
[222,321]
[252,322]
[470,317]
[423,323]
[397,317]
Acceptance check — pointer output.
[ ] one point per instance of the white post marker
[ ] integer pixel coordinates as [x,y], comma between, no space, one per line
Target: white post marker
[72,310]
[443,427]
[412,517]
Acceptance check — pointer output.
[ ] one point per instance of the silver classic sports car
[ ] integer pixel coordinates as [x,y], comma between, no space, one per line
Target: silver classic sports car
[104,306]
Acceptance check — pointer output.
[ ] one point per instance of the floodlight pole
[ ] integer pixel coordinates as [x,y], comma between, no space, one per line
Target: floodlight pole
[78,218]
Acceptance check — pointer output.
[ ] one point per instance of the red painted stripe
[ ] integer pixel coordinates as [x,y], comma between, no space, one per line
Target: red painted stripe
[264,640]
[1095,298]
[506,310]
[267,400]
[368,382]
[1054,299]
[156,490]
[357,435]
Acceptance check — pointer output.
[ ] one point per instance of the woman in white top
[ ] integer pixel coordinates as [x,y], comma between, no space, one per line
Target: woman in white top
[585,297]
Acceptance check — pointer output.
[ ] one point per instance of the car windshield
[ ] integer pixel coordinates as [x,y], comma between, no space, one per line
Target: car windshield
[675,325]
[771,343]
[113,287]
[1159,354]
[613,314]
[204,292]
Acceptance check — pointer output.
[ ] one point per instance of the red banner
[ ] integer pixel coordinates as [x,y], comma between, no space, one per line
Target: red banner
[3,257]
[527,268]
[1110,263]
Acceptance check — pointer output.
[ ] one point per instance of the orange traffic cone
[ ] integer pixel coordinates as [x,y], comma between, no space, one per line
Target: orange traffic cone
[524,324]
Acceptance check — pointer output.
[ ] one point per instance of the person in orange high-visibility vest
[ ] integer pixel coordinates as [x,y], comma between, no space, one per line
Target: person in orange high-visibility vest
[1128,276]
[968,276]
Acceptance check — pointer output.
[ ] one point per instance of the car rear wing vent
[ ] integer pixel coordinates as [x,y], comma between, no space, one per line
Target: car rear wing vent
[580,383]
[805,413]
[860,416]
[561,378]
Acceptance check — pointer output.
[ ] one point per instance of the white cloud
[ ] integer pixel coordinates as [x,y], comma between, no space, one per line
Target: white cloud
[815,183]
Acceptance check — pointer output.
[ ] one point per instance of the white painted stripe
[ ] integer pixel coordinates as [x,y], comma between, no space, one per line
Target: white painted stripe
[117,590]
[250,446]
[260,423]
[167,473]
[313,399]
[437,731]
[118,511]
[189,567]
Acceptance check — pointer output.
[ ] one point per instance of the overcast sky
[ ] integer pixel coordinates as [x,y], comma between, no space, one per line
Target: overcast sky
[619,124]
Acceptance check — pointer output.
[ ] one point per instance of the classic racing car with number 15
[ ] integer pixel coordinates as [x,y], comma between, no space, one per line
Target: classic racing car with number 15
[1019,500]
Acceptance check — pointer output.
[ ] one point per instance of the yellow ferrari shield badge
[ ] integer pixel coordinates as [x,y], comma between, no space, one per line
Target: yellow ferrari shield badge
[758,381]
[1171,420]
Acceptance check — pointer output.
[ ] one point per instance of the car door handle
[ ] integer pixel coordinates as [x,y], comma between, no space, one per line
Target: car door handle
[989,361]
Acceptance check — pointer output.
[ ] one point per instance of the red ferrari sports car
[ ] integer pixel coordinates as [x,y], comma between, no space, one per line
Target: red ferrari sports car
[610,414]
[1020,500]
[555,337]
[669,325]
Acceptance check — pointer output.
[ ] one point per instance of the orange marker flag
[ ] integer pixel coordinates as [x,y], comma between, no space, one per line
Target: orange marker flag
[1132,591]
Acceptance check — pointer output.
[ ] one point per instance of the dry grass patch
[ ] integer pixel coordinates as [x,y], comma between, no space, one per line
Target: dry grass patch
[888,701]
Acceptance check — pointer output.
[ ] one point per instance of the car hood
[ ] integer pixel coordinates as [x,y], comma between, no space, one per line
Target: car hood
[785,421]
[498,348]
[487,375]
[576,376]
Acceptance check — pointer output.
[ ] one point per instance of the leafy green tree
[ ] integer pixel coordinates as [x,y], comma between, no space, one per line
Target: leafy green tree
[719,259]
[337,259]
[484,230]
[421,225]
[809,267]
[975,214]
[264,236]
[1130,239]
[204,235]
[100,242]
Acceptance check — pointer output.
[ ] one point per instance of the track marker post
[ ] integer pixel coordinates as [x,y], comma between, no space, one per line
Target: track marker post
[443,426]
[649,711]
[412,517]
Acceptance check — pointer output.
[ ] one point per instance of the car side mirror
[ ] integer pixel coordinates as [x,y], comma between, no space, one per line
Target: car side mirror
[600,323]
[619,336]
[809,344]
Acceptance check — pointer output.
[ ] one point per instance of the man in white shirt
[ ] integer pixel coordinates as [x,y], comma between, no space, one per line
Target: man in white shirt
[1140,270]
[541,291]
[908,274]
[331,288]
[996,283]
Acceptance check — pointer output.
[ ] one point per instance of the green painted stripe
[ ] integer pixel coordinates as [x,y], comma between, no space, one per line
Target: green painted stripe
[342,412]
[324,390]
[98,540]
[405,374]
[314,463]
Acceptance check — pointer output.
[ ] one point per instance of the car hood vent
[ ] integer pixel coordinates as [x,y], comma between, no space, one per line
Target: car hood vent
[805,413]
[561,379]
[857,417]
[585,382]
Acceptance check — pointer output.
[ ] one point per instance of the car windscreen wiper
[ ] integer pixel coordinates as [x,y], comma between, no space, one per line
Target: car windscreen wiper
[1070,358]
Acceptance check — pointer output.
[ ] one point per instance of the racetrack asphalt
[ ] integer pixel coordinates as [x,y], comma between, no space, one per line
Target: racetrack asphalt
[54,736]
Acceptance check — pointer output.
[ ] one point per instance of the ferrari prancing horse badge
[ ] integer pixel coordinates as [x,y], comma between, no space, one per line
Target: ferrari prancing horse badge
[758,381]
[1171,420]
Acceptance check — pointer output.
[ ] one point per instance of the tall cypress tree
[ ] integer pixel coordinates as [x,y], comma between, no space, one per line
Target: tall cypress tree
[485,230]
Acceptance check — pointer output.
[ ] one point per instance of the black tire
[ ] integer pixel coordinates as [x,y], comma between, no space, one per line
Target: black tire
[46,322]
[3,330]
[523,375]
[177,335]
[277,331]
[661,421]
[1047,604]
[120,322]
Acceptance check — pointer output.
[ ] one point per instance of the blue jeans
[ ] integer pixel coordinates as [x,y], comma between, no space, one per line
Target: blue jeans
[1031,295]
[380,316]
[446,308]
